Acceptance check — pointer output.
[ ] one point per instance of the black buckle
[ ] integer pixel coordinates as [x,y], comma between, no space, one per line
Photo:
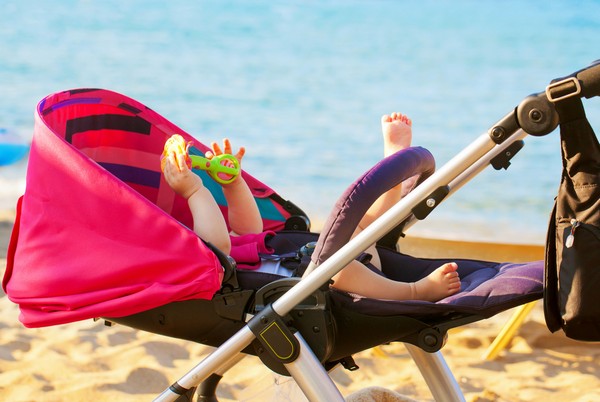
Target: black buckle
[563,89]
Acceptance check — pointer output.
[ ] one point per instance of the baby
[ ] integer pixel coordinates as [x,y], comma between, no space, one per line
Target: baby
[356,278]
[244,218]
[209,224]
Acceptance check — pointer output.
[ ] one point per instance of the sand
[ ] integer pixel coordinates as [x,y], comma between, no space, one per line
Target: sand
[93,362]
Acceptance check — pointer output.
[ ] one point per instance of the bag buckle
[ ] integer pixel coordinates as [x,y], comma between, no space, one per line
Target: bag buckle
[563,89]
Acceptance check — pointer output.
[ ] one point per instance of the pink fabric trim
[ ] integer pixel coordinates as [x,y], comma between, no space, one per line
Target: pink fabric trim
[245,249]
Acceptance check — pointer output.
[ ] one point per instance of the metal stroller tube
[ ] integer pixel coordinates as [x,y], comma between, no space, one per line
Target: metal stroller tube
[450,172]
[296,326]
[535,115]
[476,168]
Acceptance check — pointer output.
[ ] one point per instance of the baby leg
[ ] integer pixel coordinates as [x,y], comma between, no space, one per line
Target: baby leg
[357,278]
[397,135]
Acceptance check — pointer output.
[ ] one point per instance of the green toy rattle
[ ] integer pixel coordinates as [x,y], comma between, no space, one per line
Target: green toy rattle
[222,168]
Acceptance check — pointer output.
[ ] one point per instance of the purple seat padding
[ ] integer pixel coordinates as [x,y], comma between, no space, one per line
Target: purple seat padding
[487,288]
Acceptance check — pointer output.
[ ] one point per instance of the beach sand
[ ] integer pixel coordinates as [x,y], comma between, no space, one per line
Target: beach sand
[92,362]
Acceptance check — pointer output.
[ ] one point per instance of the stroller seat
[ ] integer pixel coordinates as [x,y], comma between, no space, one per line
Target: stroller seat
[100,234]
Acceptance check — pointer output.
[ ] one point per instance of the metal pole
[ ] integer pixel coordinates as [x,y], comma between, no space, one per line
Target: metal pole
[382,225]
[231,348]
[227,352]
[437,375]
[476,168]
[311,377]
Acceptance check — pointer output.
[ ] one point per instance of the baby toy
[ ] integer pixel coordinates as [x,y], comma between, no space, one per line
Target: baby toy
[222,168]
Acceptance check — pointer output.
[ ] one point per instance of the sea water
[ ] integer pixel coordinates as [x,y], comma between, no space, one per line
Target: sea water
[303,84]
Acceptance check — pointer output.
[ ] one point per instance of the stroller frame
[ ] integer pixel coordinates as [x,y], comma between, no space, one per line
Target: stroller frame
[306,370]
[535,115]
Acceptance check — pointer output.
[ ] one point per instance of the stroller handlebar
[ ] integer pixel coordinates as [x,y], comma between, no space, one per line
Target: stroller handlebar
[589,78]
[537,115]
[582,83]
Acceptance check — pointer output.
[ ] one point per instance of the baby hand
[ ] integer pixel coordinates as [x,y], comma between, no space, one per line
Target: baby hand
[179,176]
[216,150]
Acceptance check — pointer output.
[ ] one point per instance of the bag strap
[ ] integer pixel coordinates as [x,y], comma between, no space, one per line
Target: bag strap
[580,155]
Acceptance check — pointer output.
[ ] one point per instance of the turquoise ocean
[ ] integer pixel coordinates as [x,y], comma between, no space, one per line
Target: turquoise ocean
[303,84]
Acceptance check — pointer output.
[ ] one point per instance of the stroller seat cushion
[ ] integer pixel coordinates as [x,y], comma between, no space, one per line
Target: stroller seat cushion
[487,288]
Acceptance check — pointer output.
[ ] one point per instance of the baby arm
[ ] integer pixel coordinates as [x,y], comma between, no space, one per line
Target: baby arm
[244,216]
[209,223]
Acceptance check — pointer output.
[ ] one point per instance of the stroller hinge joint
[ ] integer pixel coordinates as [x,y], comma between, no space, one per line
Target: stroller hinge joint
[504,128]
[536,115]
[274,335]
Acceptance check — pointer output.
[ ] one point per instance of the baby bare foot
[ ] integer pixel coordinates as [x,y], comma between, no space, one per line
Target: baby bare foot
[441,283]
[397,132]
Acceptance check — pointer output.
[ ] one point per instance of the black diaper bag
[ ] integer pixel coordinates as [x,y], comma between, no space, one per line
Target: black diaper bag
[572,272]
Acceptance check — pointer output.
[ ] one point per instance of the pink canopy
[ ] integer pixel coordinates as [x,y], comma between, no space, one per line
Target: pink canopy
[98,231]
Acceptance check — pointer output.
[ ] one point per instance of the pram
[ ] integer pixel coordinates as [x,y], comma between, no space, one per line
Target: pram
[99,234]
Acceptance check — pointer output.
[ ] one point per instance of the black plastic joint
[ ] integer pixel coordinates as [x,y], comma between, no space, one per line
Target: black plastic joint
[178,389]
[431,340]
[504,128]
[426,206]
[537,115]
[502,161]
[274,335]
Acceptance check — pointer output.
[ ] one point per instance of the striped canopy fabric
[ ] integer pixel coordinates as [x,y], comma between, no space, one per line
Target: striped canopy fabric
[99,232]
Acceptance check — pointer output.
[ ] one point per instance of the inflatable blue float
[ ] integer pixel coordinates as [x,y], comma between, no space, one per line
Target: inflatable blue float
[12,147]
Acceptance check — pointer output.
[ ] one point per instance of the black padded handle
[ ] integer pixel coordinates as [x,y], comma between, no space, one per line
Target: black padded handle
[356,200]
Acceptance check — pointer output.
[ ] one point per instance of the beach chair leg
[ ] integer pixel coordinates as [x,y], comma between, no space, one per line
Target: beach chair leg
[508,331]
[437,375]
[311,376]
